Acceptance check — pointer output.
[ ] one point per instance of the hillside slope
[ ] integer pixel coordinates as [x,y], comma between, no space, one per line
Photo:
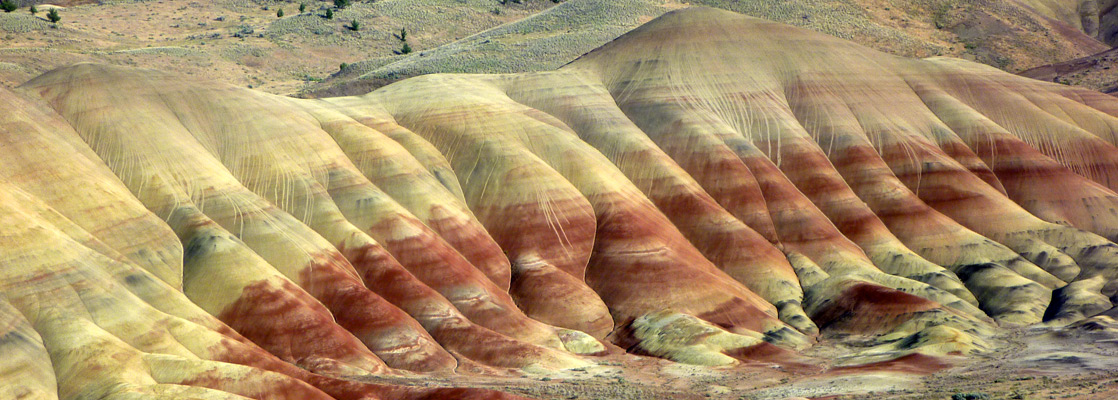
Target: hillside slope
[999,33]
[1096,18]
[708,189]
[246,43]
[242,42]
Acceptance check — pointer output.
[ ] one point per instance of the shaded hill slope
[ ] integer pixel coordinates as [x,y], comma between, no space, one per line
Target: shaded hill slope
[1096,18]
[692,191]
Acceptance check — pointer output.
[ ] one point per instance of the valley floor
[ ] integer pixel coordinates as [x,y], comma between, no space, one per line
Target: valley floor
[1029,363]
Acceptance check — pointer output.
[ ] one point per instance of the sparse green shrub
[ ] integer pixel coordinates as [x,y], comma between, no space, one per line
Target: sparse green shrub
[329,14]
[495,11]
[33,10]
[342,67]
[340,4]
[53,16]
[8,5]
[406,49]
[302,7]
[939,16]
[1002,62]
[970,396]
[279,13]
[245,31]
[354,25]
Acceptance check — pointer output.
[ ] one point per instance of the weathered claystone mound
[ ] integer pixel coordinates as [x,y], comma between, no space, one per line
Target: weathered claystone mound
[702,185]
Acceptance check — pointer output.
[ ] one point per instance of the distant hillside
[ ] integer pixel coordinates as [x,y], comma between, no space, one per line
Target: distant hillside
[1002,34]
[242,42]
[1096,18]
[247,43]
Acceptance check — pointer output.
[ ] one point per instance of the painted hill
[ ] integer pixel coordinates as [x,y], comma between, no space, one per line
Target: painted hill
[708,189]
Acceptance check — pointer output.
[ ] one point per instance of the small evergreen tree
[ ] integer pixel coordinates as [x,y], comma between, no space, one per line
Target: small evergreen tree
[354,25]
[53,16]
[406,49]
[403,34]
[340,4]
[8,5]
[302,7]
[33,10]
[329,14]
[279,14]
[342,67]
